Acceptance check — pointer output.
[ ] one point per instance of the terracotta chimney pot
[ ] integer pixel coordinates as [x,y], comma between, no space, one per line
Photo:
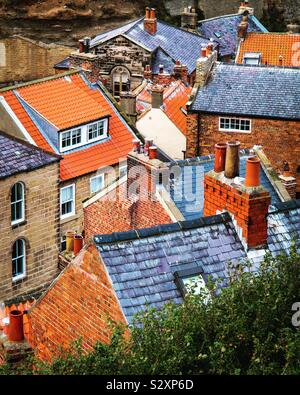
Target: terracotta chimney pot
[220,157]
[232,163]
[15,329]
[152,152]
[136,145]
[153,13]
[70,241]
[252,172]
[203,52]
[78,244]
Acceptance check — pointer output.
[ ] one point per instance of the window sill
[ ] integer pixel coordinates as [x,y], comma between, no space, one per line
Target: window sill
[18,224]
[234,131]
[68,219]
[19,278]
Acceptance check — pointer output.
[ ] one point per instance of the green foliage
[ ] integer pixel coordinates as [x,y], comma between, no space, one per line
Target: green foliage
[246,329]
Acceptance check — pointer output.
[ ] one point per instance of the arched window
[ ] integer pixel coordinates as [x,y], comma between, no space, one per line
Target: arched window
[121,80]
[18,259]
[17,203]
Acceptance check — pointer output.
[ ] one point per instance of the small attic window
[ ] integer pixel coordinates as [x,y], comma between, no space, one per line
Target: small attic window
[251,58]
[218,34]
[191,281]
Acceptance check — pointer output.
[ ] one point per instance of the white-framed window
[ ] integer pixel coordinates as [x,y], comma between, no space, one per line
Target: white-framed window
[67,201]
[18,260]
[252,58]
[95,130]
[97,183]
[235,125]
[17,203]
[86,134]
[70,139]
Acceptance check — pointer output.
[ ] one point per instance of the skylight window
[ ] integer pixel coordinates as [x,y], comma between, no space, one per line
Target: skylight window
[218,34]
[251,58]
[192,282]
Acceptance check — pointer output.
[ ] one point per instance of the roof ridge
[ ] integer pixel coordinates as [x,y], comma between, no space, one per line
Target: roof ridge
[262,66]
[161,229]
[218,17]
[28,145]
[38,81]
[286,206]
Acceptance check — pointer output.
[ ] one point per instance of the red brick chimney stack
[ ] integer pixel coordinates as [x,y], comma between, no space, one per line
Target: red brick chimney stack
[243,27]
[150,21]
[247,201]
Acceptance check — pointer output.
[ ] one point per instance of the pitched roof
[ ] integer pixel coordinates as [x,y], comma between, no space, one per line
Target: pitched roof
[175,98]
[187,190]
[177,44]
[223,30]
[17,156]
[271,46]
[70,100]
[142,263]
[258,91]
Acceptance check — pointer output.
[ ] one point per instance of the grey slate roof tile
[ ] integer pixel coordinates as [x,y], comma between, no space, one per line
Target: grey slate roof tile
[17,156]
[251,91]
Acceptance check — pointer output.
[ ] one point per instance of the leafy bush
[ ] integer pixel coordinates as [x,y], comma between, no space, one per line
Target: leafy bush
[246,329]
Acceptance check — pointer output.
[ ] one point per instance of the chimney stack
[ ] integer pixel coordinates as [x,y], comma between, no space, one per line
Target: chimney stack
[180,71]
[247,202]
[128,105]
[148,72]
[243,28]
[288,181]
[157,92]
[150,21]
[232,164]
[189,18]
[205,63]
[245,9]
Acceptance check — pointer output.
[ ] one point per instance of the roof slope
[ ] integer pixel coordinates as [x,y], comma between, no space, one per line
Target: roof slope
[178,44]
[187,190]
[251,91]
[142,264]
[271,46]
[17,156]
[223,30]
[76,101]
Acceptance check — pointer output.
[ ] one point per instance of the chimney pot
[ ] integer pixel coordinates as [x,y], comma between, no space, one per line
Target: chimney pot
[153,13]
[232,163]
[220,157]
[252,172]
[15,330]
[78,244]
[81,46]
[69,241]
[147,13]
[148,144]
[203,51]
[153,152]
[136,145]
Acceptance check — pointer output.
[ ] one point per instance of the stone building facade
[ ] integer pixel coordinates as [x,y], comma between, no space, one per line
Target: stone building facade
[39,227]
[22,59]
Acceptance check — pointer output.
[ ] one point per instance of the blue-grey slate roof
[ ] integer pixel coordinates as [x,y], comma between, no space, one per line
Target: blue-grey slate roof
[142,267]
[224,29]
[253,91]
[161,58]
[142,263]
[177,43]
[187,189]
[17,156]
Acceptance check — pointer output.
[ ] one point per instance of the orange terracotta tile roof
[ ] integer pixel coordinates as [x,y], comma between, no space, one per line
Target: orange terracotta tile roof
[175,97]
[95,105]
[272,46]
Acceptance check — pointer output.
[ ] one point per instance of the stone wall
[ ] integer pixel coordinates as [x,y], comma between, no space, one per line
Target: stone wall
[40,230]
[279,139]
[22,59]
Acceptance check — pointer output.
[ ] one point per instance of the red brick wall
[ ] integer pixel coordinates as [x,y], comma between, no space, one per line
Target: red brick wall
[77,304]
[114,214]
[250,211]
[280,139]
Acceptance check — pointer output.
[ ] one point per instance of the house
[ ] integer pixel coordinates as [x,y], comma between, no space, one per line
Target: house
[121,274]
[274,49]
[67,115]
[122,57]
[29,217]
[250,103]
[162,116]
[229,30]
[155,192]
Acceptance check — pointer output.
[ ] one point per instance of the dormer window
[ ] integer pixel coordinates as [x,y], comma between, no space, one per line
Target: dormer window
[252,58]
[86,134]
[96,130]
